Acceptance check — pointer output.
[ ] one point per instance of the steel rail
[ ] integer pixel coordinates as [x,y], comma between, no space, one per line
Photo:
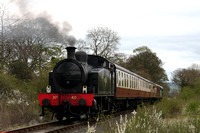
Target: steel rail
[57,127]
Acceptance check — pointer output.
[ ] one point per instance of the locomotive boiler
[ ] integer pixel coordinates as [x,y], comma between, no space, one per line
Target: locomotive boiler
[83,85]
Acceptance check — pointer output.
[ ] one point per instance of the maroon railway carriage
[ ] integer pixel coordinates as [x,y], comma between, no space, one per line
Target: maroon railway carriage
[131,85]
[83,85]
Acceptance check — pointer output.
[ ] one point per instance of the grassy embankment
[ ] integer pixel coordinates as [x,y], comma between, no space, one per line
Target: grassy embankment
[180,114]
[18,100]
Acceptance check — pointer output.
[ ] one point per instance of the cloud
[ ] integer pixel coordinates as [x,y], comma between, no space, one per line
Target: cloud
[178,51]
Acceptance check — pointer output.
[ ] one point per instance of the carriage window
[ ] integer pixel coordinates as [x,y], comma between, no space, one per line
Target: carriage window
[127,84]
[141,85]
[131,82]
[129,79]
[125,80]
[122,79]
[145,85]
[137,83]
[134,82]
[119,78]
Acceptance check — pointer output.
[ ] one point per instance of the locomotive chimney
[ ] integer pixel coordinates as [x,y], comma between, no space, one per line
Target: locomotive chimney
[71,52]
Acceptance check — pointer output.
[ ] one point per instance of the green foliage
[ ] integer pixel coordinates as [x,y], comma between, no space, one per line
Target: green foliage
[170,115]
[40,82]
[146,120]
[7,84]
[20,88]
[142,49]
[18,113]
[186,77]
[170,107]
[197,87]
[149,120]
[187,93]
[19,99]
[21,70]
[119,59]
[193,106]
[145,63]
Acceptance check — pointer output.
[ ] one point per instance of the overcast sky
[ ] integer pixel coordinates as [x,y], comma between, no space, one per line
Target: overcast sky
[170,28]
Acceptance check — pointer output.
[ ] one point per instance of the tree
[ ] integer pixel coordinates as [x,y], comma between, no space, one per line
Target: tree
[145,63]
[102,42]
[185,77]
[5,22]
[119,58]
[32,41]
[20,70]
[82,45]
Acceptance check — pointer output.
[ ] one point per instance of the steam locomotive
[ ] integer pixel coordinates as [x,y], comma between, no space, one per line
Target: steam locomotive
[83,85]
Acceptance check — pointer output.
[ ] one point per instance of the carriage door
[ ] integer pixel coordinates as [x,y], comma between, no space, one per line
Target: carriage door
[112,74]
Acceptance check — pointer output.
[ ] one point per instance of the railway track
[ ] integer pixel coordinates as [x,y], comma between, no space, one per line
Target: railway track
[50,127]
[33,128]
[59,127]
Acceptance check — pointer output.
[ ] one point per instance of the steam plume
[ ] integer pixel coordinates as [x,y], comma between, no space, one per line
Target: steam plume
[71,40]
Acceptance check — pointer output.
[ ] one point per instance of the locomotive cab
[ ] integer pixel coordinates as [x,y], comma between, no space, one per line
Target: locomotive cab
[101,76]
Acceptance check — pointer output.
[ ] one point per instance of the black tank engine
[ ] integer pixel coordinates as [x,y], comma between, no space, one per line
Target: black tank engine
[75,82]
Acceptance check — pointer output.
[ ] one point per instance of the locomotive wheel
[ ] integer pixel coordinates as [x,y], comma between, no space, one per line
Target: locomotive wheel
[59,117]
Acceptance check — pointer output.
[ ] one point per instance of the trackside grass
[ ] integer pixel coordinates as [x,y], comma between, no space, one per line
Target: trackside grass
[167,116]
[180,114]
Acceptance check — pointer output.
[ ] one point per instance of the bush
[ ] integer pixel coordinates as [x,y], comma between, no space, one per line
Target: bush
[20,70]
[197,87]
[187,93]
[149,120]
[9,83]
[19,100]
[170,107]
[192,107]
